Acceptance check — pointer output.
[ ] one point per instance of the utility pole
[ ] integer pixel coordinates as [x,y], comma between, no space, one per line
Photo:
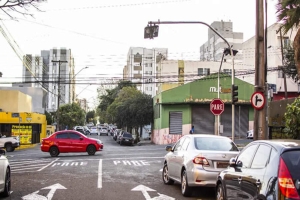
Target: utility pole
[58,89]
[260,72]
[282,60]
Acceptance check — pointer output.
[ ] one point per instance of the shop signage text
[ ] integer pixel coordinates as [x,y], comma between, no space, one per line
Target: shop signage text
[222,90]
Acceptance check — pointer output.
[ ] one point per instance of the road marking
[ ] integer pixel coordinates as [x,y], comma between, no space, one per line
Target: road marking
[75,163]
[100,174]
[36,196]
[97,159]
[145,191]
[132,162]
[48,165]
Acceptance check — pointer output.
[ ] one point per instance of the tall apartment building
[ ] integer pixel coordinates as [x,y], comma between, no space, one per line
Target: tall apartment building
[54,70]
[213,49]
[142,66]
[83,104]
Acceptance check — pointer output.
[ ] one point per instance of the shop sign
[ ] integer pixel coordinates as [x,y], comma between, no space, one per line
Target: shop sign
[24,131]
[222,90]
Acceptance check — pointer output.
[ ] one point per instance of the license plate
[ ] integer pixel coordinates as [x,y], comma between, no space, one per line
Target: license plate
[126,140]
[222,164]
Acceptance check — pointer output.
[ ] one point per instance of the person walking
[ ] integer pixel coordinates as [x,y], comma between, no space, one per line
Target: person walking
[192,130]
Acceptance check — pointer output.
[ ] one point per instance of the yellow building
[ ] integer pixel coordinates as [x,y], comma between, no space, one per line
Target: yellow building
[16,118]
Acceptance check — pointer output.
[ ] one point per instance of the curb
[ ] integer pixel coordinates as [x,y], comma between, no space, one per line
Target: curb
[25,146]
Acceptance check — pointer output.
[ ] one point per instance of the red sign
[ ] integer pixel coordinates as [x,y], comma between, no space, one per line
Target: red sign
[217,106]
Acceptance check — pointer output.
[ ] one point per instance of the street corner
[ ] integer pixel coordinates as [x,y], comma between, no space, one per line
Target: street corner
[26,146]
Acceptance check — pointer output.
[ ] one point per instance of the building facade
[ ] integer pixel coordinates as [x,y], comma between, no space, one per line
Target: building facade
[213,49]
[141,68]
[177,109]
[58,63]
[275,77]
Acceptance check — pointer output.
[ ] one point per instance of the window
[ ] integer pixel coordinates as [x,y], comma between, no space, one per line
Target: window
[203,71]
[74,136]
[261,157]
[62,136]
[156,111]
[246,156]
[215,144]
[179,144]
[185,144]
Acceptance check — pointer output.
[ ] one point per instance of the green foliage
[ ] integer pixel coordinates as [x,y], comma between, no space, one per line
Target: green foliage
[292,118]
[288,12]
[289,63]
[71,115]
[48,118]
[90,117]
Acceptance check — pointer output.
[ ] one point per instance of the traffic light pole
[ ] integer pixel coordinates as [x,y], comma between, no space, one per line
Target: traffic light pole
[151,31]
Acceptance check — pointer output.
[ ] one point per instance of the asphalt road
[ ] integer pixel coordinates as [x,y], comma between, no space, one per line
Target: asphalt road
[117,172]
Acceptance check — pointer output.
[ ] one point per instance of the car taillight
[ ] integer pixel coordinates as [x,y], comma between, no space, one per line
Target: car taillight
[285,182]
[201,161]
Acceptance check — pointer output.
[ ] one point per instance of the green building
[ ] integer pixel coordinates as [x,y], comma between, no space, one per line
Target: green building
[177,109]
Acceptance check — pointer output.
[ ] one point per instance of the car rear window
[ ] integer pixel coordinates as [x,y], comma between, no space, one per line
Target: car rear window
[215,144]
[292,161]
[94,128]
[127,135]
[104,128]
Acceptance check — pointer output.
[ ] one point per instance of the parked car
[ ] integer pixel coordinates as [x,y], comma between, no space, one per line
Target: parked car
[80,129]
[86,130]
[264,169]
[117,133]
[5,173]
[196,160]
[9,143]
[250,134]
[126,138]
[68,141]
[94,130]
[103,131]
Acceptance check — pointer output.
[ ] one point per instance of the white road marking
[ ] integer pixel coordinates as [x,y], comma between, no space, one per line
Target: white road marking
[48,165]
[100,174]
[132,162]
[117,158]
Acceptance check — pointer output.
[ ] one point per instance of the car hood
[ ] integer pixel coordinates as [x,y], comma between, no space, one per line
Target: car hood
[95,139]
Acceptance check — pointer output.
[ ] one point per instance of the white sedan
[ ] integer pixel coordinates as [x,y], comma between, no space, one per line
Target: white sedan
[5,184]
[94,130]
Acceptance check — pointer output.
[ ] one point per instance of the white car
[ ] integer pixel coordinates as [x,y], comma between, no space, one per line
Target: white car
[94,130]
[5,181]
[104,131]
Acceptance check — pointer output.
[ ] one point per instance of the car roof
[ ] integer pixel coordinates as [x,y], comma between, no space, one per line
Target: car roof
[280,144]
[206,135]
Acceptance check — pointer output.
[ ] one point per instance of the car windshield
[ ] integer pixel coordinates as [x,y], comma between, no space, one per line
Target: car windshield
[94,128]
[215,144]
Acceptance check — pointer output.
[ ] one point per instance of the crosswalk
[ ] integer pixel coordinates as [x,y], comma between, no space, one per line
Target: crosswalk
[29,165]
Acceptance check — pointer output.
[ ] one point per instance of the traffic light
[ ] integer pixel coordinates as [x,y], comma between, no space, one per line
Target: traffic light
[234,94]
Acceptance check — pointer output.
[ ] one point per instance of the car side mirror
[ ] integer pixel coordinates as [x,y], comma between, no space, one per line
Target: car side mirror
[2,152]
[232,162]
[81,138]
[168,148]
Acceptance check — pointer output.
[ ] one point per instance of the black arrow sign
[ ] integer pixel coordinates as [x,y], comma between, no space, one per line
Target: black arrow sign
[257,100]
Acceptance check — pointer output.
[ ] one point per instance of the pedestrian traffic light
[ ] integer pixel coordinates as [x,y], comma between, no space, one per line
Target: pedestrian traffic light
[234,94]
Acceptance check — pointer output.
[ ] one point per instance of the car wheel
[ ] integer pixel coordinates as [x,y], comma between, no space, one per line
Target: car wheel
[165,176]
[220,192]
[186,190]
[54,151]
[7,186]
[9,147]
[91,150]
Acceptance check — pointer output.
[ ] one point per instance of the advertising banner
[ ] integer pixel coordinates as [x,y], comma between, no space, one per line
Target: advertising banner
[24,131]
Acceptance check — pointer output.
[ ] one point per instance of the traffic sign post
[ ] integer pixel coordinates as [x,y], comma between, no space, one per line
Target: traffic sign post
[258,100]
[217,106]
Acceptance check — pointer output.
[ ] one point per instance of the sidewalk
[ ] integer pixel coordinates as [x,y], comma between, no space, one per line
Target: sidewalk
[145,142]
[26,146]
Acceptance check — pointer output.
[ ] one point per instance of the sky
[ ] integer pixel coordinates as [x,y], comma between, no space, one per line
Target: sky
[100,33]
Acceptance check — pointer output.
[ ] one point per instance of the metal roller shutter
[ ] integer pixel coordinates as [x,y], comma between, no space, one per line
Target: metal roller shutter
[175,122]
[203,120]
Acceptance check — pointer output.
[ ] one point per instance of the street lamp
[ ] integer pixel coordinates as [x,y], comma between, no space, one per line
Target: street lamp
[73,81]
[151,31]
[225,53]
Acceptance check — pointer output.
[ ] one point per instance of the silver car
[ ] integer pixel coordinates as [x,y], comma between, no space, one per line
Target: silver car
[5,181]
[196,160]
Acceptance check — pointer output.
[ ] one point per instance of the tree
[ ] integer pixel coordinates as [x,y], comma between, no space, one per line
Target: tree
[288,12]
[289,63]
[48,118]
[292,118]
[19,6]
[71,115]
[90,117]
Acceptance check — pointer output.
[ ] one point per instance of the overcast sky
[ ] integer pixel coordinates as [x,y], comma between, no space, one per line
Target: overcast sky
[100,33]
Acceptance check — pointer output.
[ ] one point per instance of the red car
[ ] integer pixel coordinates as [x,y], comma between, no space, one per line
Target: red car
[67,141]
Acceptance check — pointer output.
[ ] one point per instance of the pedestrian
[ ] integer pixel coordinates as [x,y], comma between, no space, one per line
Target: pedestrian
[192,130]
